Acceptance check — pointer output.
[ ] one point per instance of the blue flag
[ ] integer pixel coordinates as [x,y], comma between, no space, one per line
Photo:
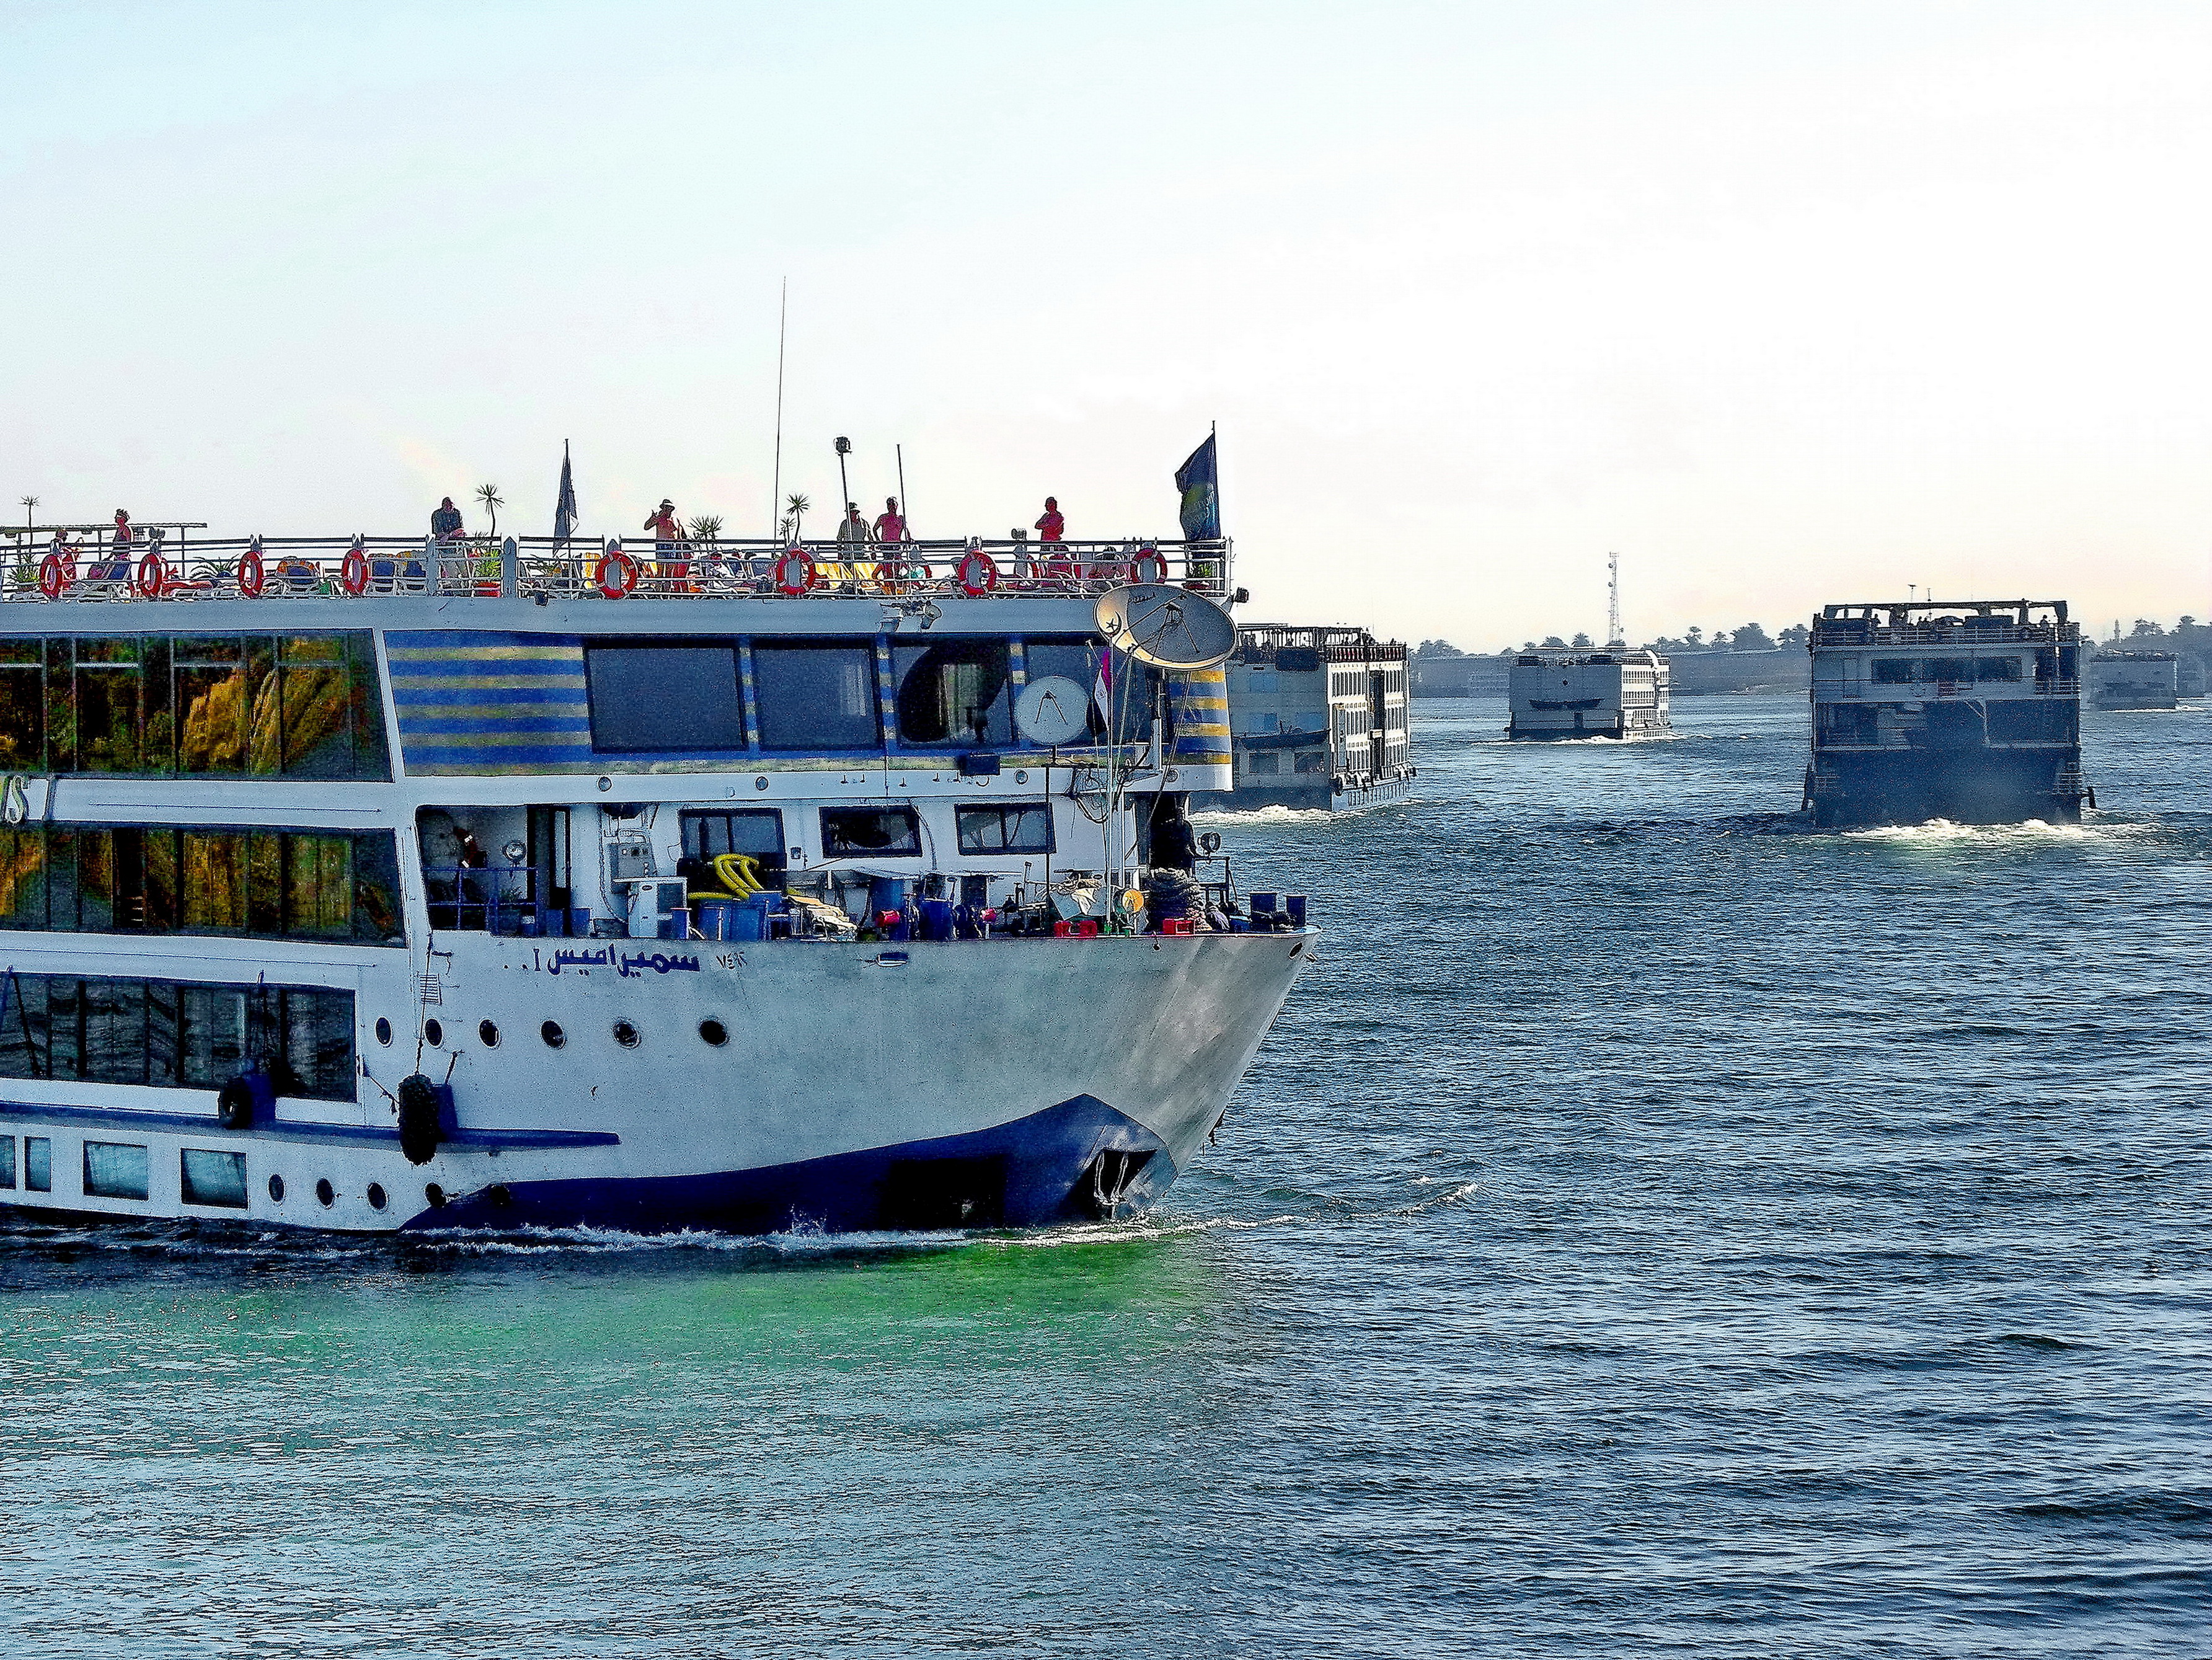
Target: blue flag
[1199,483]
[564,510]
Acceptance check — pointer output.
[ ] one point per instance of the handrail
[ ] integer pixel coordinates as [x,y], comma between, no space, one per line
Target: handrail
[1844,632]
[342,568]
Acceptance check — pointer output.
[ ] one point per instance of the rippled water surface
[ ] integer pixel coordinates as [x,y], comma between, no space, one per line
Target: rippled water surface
[1650,1228]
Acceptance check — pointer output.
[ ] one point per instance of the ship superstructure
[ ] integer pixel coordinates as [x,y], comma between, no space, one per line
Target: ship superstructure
[1318,718]
[378,884]
[1968,712]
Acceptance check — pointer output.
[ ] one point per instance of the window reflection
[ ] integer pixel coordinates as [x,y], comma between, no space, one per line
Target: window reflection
[292,884]
[177,1034]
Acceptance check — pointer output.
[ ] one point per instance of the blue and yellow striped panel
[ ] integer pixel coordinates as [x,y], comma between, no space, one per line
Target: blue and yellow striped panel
[1199,700]
[473,702]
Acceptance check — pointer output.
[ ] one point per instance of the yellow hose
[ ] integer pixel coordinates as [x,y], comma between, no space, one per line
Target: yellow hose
[738,873]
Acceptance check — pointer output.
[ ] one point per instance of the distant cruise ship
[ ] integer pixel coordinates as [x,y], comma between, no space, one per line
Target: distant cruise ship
[381,885]
[1620,691]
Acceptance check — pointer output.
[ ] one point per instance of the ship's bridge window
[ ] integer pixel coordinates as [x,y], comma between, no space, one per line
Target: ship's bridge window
[300,706]
[870,832]
[754,832]
[954,692]
[673,698]
[816,696]
[1025,827]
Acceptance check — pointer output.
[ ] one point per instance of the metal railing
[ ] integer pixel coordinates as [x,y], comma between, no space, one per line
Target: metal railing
[535,567]
[1847,633]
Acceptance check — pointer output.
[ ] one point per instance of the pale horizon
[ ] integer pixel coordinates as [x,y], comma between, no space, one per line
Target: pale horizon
[1786,308]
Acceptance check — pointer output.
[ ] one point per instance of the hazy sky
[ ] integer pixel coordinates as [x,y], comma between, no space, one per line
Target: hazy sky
[1787,303]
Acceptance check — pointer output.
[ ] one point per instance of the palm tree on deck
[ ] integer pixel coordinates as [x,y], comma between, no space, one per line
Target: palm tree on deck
[493,501]
[797,507]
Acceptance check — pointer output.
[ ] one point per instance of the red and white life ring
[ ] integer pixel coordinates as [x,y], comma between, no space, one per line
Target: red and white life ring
[795,575]
[55,575]
[979,573]
[616,573]
[353,571]
[251,577]
[1151,565]
[153,576]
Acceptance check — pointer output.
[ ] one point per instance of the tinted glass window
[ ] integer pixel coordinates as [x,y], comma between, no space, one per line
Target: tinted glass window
[23,716]
[1948,668]
[849,832]
[665,698]
[7,1161]
[955,692]
[1023,829]
[209,1177]
[757,833]
[1997,668]
[114,1170]
[157,1031]
[38,1163]
[816,697]
[1075,659]
[1892,671]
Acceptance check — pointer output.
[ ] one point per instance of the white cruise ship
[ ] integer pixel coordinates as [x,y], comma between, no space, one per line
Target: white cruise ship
[374,885]
[1621,691]
[1318,719]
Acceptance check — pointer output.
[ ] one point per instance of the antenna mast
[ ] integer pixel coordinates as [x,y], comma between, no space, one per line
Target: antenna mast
[775,489]
[1613,600]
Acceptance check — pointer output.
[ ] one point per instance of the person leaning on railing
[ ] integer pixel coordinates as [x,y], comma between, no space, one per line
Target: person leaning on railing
[445,521]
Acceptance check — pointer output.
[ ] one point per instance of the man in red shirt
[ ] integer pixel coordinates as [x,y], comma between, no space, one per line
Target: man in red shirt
[1049,527]
[889,527]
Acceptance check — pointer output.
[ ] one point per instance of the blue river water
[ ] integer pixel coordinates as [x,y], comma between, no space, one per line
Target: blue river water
[1651,1227]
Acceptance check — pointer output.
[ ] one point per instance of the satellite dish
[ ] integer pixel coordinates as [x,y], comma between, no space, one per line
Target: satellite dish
[1169,628]
[1052,710]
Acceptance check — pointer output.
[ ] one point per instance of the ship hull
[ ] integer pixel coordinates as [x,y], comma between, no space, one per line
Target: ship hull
[1849,791]
[1015,1083]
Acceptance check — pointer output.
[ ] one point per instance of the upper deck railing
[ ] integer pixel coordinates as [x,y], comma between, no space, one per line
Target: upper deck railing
[1858,631]
[1258,642]
[343,568]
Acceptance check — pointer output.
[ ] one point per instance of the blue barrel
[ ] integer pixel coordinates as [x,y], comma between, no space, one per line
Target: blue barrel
[1295,904]
[1262,902]
[936,919]
[718,918]
[749,918]
[887,893]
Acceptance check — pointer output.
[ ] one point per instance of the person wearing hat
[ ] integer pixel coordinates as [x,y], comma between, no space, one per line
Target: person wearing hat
[446,522]
[667,531]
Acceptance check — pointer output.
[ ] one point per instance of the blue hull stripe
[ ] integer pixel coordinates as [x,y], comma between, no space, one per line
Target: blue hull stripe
[1032,1172]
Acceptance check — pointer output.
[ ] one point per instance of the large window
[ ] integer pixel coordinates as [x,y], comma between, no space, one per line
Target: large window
[870,832]
[1073,659]
[1026,828]
[954,692]
[158,1031]
[667,698]
[224,706]
[815,697]
[756,832]
[337,885]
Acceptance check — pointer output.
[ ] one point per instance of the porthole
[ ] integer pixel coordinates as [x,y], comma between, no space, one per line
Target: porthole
[714,1032]
[276,1190]
[497,1196]
[384,1031]
[626,1034]
[434,1196]
[434,1033]
[325,1193]
[551,1032]
[375,1195]
[488,1034]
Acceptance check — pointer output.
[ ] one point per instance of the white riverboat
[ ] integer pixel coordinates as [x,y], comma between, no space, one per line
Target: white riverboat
[378,884]
[1318,719]
[1620,691]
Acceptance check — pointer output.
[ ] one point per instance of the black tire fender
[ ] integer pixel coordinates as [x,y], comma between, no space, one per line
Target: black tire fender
[420,1132]
[234,1105]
